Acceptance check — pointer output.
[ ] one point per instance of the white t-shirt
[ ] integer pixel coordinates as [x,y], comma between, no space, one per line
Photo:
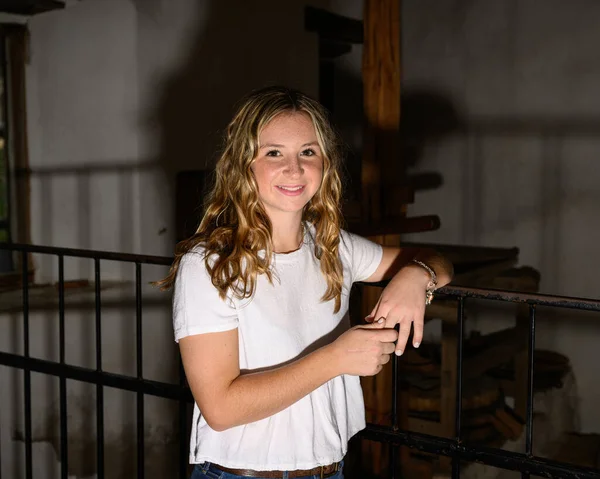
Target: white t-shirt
[281,322]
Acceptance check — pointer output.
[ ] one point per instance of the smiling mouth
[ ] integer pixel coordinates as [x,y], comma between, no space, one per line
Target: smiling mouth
[291,188]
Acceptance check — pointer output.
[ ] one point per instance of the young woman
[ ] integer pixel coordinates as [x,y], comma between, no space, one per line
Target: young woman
[260,306]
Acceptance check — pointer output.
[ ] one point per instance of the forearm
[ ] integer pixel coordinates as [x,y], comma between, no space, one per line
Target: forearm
[255,396]
[439,263]
[396,261]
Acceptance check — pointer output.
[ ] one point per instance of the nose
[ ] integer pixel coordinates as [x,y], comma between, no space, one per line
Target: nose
[294,166]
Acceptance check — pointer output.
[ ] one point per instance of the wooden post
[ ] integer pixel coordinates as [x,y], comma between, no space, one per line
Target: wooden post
[381,169]
[381,96]
[17,51]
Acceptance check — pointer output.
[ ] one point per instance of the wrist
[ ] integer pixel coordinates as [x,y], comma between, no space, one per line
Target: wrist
[417,274]
[414,275]
[433,280]
[330,360]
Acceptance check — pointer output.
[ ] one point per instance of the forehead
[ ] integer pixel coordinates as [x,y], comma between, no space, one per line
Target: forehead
[289,125]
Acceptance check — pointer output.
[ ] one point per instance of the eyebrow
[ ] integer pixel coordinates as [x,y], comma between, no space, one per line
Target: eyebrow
[276,145]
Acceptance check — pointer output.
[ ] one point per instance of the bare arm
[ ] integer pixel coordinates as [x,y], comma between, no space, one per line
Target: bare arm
[395,259]
[228,398]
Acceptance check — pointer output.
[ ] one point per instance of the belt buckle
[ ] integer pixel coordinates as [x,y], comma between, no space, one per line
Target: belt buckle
[335,469]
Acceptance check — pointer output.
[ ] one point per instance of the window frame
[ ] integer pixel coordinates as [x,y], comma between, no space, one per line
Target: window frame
[14,43]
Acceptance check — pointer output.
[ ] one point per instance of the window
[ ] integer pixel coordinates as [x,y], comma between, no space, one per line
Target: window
[6,265]
[4,190]
[14,163]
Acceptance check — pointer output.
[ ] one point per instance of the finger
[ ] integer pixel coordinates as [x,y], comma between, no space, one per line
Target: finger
[373,314]
[403,335]
[391,320]
[388,348]
[379,324]
[417,333]
[385,358]
[387,335]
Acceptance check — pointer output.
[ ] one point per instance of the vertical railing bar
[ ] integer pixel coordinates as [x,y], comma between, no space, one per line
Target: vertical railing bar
[99,387]
[530,366]
[460,317]
[393,448]
[530,379]
[26,372]
[64,457]
[395,392]
[459,370]
[139,361]
[183,439]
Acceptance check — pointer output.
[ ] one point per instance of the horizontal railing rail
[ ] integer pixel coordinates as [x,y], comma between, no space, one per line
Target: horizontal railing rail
[519,297]
[85,253]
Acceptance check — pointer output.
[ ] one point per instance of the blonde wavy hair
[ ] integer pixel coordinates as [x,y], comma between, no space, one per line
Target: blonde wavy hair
[235,226]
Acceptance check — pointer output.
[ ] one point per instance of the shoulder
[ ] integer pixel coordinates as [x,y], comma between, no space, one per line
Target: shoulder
[194,279]
[350,242]
[193,264]
[360,254]
[193,258]
[346,238]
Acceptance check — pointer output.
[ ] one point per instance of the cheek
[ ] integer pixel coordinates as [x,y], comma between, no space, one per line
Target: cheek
[319,173]
[262,176]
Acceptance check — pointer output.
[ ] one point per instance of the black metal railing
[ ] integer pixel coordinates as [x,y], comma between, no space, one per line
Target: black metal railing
[102,379]
[526,463]
[455,448]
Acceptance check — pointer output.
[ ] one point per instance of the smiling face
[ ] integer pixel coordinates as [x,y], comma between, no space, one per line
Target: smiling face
[289,166]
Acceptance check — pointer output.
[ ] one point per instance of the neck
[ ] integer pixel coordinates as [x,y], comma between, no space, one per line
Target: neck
[287,235]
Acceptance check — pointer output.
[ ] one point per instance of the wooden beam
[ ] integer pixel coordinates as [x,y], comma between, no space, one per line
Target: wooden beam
[16,38]
[332,26]
[381,96]
[381,104]
[29,7]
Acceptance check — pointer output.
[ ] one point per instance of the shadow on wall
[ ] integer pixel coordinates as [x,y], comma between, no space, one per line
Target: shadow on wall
[241,46]
[427,117]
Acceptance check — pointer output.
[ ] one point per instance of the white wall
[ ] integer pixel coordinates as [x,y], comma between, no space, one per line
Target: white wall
[121,95]
[526,74]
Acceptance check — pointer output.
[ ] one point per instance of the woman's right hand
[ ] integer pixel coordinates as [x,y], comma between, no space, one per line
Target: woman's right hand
[364,349]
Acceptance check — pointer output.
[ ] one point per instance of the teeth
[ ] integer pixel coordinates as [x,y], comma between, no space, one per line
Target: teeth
[288,188]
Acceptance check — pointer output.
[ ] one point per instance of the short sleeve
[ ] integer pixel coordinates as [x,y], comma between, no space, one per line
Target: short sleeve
[362,256]
[197,307]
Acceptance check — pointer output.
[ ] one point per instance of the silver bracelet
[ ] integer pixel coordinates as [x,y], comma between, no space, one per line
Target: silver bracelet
[432,282]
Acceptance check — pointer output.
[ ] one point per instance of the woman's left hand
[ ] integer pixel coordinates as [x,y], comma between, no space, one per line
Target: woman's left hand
[403,302]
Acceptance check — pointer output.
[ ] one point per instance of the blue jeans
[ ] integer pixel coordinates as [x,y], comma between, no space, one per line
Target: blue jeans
[208,471]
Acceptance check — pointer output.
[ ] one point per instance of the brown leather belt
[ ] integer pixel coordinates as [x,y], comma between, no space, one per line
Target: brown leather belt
[321,471]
